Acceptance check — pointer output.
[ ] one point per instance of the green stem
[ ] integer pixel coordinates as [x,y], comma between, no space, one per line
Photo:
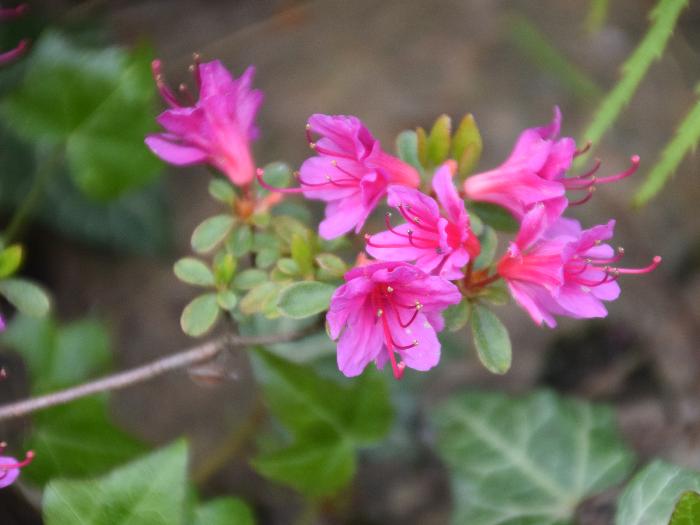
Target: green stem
[41,176]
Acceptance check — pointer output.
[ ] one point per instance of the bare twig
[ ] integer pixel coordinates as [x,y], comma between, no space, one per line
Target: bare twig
[182,359]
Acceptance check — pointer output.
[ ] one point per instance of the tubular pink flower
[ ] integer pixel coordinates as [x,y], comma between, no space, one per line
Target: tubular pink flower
[535,172]
[217,128]
[10,13]
[350,173]
[10,467]
[389,308]
[440,244]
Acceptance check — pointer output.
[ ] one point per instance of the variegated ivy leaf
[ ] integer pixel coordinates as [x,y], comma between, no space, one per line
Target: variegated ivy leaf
[529,460]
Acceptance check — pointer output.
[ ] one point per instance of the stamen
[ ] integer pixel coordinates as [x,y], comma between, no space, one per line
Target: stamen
[165,92]
[584,149]
[13,54]
[260,173]
[196,73]
[185,92]
[28,457]
[636,271]
[584,200]
[634,161]
[9,13]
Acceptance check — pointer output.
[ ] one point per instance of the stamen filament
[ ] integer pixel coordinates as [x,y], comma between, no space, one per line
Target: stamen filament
[636,271]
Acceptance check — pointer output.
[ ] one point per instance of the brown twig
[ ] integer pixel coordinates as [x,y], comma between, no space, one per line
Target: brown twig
[183,359]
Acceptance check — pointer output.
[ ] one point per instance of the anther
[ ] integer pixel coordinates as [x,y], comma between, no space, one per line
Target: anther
[418,305]
[380,312]
[415,342]
[389,289]
[334,163]
[312,145]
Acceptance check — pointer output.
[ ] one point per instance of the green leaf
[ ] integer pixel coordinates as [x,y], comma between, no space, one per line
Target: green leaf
[467,145]
[530,41]
[211,232]
[261,299]
[59,357]
[26,296]
[304,299]
[663,18]
[224,265]
[302,254]
[407,148]
[457,316]
[491,340]
[650,497]
[489,245]
[286,227]
[77,440]
[267,257]
[223,511]
[334,265]
[684,142]
[288,266]
[249,279]
[241,241]
[200,315]
[597,14]
[150,491]
[227,300]
[193,271]
[98,103]
[222,190]
[10,260]
[438,146]
[495,216]
[687,511]
[527,460]
[277,175]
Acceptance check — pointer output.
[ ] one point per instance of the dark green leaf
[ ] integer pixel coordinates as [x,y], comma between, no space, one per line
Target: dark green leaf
[304,299]
[224,511]
[529,460]
[489,244]
[150,491]
[26,296]
[211,232]
[457,316]
[491,340]
[193,271]
[687,511]
[200,315]
[495,216]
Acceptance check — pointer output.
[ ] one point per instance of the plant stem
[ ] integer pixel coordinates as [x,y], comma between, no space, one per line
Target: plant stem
[44,169]
[183,359]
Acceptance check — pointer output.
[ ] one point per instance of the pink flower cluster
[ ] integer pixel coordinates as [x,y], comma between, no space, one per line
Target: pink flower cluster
[389,310]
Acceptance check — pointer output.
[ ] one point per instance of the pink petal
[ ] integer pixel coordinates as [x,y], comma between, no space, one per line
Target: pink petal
[426,354]
[175,153]
[360,343]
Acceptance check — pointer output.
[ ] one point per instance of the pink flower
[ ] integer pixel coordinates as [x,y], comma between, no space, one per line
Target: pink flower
[441,244]
[10,467]
[562,269]
[10,13]
[535,172]
[389,308]
[216,129]
[351,172]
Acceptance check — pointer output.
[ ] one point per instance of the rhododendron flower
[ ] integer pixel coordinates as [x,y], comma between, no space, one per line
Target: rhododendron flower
[535,172]
[389,308]
[442,244]
[9,13]
[217,128]
[350,172]
[10,467]
[563,269]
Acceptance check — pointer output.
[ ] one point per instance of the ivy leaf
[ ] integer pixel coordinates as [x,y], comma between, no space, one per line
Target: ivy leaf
[304,299]
[687,511]
[223,511]
[527,460]
[650,497]
[98,103]
[77,440]
[26,296]
[200,315]
[150,491]
[491,340]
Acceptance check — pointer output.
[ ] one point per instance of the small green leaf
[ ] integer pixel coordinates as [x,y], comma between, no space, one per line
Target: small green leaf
[241,241]
[249,279]
[288,266]
[222,190]
[467,145]
[491,340]
[422,146]
[26,296]
[489,245]
[687,511]
[260,299]
[649,499]
[227,299]
[224,267]
[495,216]
[277,175]
[193,271]
[286,227]
[262,240]
[301,253]
[149,491]
[304,299]
[439,140]
[457,316]
[528,460]
[267,257]
[334,265]
[407,148]
[211,232]
[223,511]
[10,260]
[200,315]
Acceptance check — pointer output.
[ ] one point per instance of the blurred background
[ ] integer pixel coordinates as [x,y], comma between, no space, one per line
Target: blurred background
[396,64]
